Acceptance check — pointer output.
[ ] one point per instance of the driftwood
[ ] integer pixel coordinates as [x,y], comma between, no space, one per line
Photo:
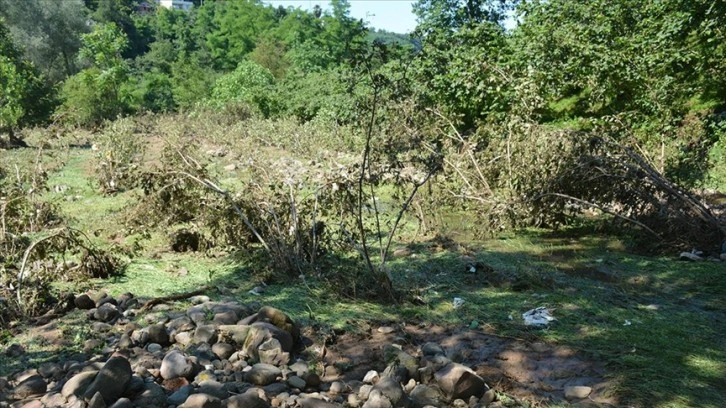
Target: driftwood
[171,298]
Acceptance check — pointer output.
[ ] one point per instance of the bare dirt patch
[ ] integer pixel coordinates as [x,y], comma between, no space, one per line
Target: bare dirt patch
[535,373]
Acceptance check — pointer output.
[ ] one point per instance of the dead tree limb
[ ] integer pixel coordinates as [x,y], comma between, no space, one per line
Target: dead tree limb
[172,298]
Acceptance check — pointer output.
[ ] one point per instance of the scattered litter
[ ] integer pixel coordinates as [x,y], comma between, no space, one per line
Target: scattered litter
[627,323]
[690,256]
[458,302]
[257,291]
[510,317]
[540,316]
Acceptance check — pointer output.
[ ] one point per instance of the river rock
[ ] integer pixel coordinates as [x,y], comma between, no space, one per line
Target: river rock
[179,396]
[111,380]
[458,381]
[376,399]
[78,383]
[201,401]
[432,349]
[424,395]
[392,390]
[206,333]
[84,302]
[226,317]
[577,392]
[96,401]
[263,374]
[247,400]
[50,370]
[33,385]
[122,403]
[271,352]
[152,396]
[158,334]
[176,364]
[106,312]
[236,334]
[296,382]
[259,333]
[277,318]
[223,350]
[213,388]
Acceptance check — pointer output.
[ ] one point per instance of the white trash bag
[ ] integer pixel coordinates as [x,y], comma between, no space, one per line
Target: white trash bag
[540,316]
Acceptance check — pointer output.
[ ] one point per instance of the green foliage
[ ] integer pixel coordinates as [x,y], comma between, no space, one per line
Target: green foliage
[192,81]
[152,92]
[119,13]
[465,73]
[391,38]
[233,29]
[49,33]
[249,84]
[13,85]
[96,93]
[270,53]
[316,94]
[25,98]
[120,153]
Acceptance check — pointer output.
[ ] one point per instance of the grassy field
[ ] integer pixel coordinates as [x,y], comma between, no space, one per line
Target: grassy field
[656,322]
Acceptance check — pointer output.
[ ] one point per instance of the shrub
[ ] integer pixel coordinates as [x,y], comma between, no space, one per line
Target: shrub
[121,147]
[249,84]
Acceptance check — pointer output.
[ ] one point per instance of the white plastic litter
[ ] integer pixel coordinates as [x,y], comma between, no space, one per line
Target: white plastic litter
[458,302]
[540,316]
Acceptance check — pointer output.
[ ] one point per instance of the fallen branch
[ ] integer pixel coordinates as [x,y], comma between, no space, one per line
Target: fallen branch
[601,208]
[172,298]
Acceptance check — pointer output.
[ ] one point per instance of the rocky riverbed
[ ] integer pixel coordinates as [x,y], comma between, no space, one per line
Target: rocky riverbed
[229,354]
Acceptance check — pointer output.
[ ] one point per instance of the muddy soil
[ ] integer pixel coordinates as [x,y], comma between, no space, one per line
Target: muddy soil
[535,374]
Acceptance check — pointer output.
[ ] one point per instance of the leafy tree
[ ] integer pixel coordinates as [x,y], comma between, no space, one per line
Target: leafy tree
[614,56]
[309,95]
[13,86]
[96,93]
[297,26]
[344,36]
[461,67]
[249,84]
[270,53]
[441,16]
[49,33]
[25,97]
[152,91]
[120,13]
[175,27]
[232,28]
[192,81]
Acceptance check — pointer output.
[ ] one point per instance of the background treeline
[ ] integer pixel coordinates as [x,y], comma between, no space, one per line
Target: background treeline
[527,110]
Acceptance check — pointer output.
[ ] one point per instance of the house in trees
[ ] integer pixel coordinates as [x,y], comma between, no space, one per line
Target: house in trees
[176,4]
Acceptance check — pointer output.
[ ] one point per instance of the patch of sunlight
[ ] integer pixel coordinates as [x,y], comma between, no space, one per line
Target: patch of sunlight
[707,366]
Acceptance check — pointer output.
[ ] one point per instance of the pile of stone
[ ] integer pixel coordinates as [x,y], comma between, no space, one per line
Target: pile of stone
[226,354]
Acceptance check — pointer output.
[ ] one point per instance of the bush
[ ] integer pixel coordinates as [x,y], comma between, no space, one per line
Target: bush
[85,103]
[30,267]
[249,84]
[121,148]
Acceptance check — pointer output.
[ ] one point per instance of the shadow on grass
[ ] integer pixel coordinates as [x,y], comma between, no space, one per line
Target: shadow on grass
[654,324]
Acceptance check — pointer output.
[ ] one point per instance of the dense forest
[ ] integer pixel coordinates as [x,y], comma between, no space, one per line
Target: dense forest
[616,106]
